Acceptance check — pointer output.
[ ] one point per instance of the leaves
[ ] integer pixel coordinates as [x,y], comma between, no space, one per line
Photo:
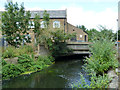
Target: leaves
[15,22]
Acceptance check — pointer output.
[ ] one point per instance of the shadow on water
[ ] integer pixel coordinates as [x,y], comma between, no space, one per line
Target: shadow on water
[62,74]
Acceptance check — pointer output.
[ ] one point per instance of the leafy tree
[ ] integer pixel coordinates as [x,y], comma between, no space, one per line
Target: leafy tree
[46,19]
[36,30]
[105,33]
[45,33]
[57,43]
[41,34]
[92,34]
[15,24]
[82,27]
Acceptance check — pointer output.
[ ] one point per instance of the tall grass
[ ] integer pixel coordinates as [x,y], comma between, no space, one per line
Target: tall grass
[11,51]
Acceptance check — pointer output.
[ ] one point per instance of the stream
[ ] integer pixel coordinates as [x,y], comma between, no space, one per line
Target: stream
[62,74]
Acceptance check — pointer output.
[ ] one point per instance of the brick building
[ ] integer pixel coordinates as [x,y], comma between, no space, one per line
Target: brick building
[58,19]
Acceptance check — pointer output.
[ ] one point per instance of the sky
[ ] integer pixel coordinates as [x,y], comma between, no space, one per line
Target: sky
[90,13]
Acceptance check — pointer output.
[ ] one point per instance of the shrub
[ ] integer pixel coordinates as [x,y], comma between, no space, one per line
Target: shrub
[46,59]
[9,52]
[96,81]
[57,44]
[3,62]
[102,58]
[10,71]
[26,61]
[24,49]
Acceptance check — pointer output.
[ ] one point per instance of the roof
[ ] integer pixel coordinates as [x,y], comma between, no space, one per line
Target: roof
[52,13]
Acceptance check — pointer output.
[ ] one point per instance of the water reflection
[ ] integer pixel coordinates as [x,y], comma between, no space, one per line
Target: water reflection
[60,75]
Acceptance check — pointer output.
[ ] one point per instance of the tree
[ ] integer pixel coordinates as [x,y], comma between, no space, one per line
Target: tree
[82,27]
[92,34]
[105,33]
[57,43]
[36,30]
[15,24]
[41,34]
[46,19]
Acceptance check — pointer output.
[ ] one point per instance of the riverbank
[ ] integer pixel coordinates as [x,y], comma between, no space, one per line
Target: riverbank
[24,64]
[61,74]
[101,60]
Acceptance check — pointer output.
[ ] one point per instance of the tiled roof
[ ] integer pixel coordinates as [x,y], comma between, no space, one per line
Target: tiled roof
[52,13]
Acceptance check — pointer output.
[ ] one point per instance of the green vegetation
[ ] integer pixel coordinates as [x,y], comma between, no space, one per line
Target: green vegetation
[100,61]
[15,27]
[26,63]
[103,56]
[15,24]
[101,81]
[57,44]
[11,51]
[94,34]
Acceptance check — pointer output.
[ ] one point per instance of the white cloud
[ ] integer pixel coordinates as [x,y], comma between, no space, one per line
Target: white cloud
[91,19]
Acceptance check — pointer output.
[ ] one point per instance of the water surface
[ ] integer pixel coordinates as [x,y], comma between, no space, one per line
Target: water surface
[62,74]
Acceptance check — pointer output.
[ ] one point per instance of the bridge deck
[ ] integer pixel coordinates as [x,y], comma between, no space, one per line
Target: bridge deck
[79,47]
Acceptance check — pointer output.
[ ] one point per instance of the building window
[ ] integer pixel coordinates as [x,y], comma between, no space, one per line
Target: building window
[80,36]
[31,24]
[56,24]
[42,24]
[73,29]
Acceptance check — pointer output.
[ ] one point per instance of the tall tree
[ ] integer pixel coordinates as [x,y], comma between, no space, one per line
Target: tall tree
[15,23]
[36,30]
[46,19]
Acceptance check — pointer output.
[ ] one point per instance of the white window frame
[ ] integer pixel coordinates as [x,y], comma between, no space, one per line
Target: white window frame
[81,36]
[42,24]
[56,24]
[31,26]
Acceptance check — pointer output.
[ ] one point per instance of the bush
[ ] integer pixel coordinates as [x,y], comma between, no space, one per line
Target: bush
[26,49]
[57,44]
[46,59]
[3,62]
[10,71]
[102,58]
[96,82]
[9,52]
[26,61]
